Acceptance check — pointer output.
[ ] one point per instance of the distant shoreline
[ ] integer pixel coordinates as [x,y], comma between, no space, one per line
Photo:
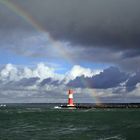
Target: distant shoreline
[78,105]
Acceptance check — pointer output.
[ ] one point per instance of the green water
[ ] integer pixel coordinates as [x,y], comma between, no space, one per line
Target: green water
[51,124]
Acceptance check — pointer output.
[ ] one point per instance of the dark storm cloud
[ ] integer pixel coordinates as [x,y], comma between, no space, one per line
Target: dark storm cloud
[49,81]
[131,53]
[27,81]
[88,23]
[20,84]
[133,81]
[109,78]
[46,81]
[108,31]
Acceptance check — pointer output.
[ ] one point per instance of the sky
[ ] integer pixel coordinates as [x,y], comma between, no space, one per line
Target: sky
[50,46]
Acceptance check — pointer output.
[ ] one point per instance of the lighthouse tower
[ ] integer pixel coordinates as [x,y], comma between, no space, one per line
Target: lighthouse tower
[70,98]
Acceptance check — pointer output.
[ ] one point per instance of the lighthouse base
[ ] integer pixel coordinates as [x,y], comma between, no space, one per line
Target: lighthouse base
[72,107]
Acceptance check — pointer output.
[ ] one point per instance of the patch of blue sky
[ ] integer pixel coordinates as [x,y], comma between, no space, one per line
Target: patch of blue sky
[60,65]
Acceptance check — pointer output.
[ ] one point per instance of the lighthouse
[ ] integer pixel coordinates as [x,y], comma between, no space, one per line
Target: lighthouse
[70,98]
[70,104]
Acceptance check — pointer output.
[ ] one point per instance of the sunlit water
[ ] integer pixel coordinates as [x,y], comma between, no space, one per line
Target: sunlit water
[46,123]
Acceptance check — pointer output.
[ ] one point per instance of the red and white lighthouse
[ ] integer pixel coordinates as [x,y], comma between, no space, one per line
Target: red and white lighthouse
[70,98]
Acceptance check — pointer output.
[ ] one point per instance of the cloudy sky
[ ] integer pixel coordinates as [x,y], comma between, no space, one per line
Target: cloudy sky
[49,46]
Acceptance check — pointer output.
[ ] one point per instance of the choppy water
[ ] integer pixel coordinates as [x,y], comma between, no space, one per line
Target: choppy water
[46,123]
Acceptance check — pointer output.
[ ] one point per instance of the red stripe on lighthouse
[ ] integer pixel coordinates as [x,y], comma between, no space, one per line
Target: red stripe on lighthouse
[70,98]
[70,102]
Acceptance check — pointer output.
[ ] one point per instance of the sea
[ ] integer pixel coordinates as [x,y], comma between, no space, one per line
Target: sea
[43,122]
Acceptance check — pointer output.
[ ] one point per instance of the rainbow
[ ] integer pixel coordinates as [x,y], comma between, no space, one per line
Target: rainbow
[93,92]
[57,45]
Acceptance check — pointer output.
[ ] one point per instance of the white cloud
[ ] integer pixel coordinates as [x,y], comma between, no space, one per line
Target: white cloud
[43,71]
[77,71]
[13,73]
[14,84]
[9,72]
[20,82]
[27,72]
